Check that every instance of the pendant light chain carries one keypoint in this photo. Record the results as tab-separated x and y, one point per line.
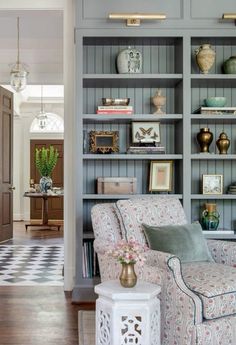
18	71
18	40
42	99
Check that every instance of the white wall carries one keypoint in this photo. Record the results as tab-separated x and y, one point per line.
21	153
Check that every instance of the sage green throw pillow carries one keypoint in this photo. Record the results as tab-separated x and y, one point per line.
185	241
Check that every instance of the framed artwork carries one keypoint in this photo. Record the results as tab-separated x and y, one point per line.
104	141
161	176
212	184
146	132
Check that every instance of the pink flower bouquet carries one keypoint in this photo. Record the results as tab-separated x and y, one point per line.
128	252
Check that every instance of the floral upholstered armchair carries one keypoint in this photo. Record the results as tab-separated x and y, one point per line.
198	300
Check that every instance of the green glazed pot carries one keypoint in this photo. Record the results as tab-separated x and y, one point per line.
229	66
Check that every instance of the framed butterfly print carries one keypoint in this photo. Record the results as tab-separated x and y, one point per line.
146	132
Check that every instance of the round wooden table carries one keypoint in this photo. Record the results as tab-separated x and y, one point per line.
44	197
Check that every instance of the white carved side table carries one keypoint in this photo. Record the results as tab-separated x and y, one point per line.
127	316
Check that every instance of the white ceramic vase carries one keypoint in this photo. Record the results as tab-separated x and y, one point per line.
205	58
129	61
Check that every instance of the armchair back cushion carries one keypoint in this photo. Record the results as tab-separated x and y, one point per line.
185	241
151	210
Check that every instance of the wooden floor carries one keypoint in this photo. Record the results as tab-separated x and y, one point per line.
38	315
35	235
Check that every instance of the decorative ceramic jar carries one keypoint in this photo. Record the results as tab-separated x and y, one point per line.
229	66
223	143
45	184
205	57
210	217
204	138
128	277
129	61
159	100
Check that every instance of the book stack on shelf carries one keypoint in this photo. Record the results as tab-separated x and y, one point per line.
90	261
115	109
146	149
216	110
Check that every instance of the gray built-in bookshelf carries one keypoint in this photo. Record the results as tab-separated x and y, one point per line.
169	64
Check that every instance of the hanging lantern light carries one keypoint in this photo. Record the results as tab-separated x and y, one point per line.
18	71
42	115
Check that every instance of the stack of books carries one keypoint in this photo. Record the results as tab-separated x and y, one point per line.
146	150
232	189
90	261
115	109
216	110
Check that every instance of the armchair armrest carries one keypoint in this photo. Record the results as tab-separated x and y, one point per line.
223	252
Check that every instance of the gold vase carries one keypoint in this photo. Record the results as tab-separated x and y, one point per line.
223	143
128	277
204	138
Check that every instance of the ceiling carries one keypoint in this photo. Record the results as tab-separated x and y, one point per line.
41	45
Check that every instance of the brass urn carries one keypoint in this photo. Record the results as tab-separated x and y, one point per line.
128	276
223	143
204	138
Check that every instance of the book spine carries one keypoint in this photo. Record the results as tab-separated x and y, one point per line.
105	112
115	107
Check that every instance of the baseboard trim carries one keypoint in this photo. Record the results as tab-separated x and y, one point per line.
17	217
83	295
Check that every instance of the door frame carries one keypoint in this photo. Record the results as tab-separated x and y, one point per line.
68	8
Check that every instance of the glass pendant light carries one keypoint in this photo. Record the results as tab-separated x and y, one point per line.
18	70
42	115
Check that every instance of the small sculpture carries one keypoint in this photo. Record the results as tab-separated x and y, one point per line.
223	143
159	101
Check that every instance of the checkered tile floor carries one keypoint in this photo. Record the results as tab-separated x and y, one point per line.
31	265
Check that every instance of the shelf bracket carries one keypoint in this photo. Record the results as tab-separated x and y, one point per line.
134	19
229	16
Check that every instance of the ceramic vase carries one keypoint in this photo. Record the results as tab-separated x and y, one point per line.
204	138
229	66
45	184
128	276
223	143
210	217
205	57
129	61
159	101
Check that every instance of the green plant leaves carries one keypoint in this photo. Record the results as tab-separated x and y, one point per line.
46	160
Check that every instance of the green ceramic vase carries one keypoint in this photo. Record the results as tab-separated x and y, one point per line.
229	66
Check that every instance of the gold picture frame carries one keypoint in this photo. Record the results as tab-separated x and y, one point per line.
212	184
161	176
103	141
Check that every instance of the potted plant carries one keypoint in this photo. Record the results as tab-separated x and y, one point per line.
45	161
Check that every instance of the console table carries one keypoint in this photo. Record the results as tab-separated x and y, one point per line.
44	196
127	315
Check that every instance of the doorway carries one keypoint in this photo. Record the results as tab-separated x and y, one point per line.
68	9
55	205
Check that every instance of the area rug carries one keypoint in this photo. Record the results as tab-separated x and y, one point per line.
31	265
86	327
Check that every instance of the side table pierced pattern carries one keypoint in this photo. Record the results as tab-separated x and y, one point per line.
127	316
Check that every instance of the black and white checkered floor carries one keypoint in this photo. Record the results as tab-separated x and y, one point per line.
31	265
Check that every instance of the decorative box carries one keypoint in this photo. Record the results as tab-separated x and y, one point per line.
116	185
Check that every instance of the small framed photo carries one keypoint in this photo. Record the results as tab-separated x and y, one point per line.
161	176
104	141
212	184
146	132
